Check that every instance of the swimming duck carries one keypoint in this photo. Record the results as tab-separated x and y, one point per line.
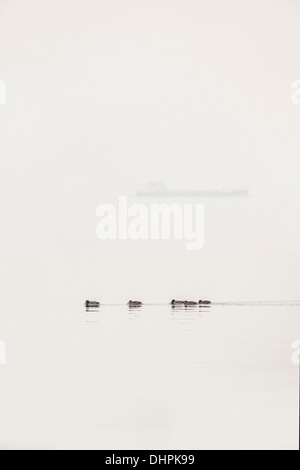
177	302
92	304
134	303
204	302
190	302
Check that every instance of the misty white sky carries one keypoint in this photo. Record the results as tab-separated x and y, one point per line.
105	95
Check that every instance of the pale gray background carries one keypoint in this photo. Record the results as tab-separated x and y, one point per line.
103	96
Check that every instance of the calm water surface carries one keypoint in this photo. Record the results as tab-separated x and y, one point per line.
218	377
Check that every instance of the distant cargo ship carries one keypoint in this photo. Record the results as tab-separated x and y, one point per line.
160	190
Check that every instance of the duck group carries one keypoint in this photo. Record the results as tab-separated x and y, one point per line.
137	303
190	302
